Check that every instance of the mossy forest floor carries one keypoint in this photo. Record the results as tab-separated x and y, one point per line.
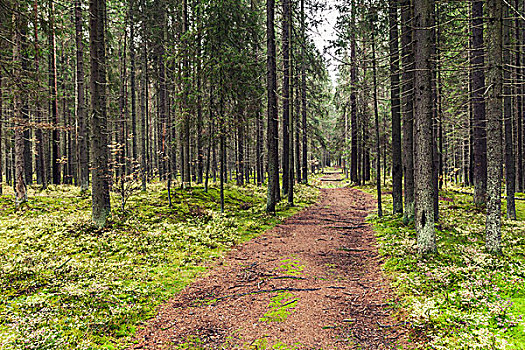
64	284
463	298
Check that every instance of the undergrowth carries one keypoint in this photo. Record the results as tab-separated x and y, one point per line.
463	298
64	284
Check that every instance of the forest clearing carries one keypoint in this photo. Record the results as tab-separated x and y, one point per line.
261	174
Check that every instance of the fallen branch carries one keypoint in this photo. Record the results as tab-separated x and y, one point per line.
287	277
349	227
353	249
404	323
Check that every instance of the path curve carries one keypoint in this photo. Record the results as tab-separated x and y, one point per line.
314	281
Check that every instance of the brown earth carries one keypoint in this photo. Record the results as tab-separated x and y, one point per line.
320	268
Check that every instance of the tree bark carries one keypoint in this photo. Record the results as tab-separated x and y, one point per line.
354	176
39	141
19	111
407	93
494	44
81	110
1	126
424	190
304	131
186	117
510	167
101	208
376	117
53	86
478	105
395	107
519	89
286	19
272	134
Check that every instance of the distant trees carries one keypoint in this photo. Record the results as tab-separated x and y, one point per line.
179	91
454	81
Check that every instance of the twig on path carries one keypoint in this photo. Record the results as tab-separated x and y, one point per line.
404	323
287	277
349	227
362	285
335	287
353	249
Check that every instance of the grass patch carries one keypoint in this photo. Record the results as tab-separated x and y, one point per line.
280	307
463	298
64	284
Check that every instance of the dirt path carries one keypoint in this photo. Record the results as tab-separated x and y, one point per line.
313	282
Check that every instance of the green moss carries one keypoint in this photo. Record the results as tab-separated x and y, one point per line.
280	307
65	284
462	298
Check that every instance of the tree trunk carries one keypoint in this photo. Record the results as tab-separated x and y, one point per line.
1	139
186	117
424	190
100	175
19	110
272	134
144	113
478	105
286	19
81	110
376	116
519	89
494	76
354	174
304	131
407	93
39	142
395	106
510	167
55	141
133	84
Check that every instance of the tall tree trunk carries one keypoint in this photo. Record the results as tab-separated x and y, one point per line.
222	156
19	110
100	175
133	83
81	110
286	92
494	44
395	107
519	90
53	86
376	116
291	178
354	176
407	93
297	127
144	112
272	134
510	166
186	117
1	126
304	131
434	93
200	150
424	190
478	104
39	141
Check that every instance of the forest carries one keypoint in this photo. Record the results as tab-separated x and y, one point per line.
249	174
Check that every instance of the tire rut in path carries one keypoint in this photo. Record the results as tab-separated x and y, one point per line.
323	264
